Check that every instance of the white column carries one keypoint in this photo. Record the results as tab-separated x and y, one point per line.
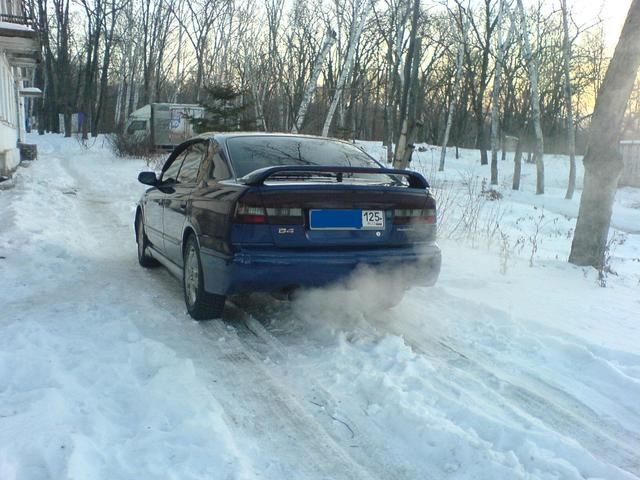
19	105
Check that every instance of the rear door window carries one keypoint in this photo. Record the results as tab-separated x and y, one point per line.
191	164
218	168
170	175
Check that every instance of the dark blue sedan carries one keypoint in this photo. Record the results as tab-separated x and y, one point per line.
246	212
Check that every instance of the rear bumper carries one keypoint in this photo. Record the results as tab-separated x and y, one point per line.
263	270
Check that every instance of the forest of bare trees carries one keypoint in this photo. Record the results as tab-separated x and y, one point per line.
466	72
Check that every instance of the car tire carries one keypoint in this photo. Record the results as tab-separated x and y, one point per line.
143	243
201	305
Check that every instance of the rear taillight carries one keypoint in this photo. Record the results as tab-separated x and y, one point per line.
271	215
250	214
285	216
405	216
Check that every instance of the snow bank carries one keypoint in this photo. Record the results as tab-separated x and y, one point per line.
83	393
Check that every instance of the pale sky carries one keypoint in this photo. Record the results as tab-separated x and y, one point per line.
612	12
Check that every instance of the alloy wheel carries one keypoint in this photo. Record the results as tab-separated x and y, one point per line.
191	275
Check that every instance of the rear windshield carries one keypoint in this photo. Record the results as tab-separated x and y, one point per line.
251	153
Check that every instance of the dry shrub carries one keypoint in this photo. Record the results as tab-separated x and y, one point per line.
133	146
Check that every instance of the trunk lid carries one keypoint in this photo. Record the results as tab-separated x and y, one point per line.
337	207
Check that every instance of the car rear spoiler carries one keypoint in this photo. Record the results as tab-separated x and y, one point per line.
258	177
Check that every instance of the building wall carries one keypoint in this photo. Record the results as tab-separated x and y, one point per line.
9	154
630	150
10	7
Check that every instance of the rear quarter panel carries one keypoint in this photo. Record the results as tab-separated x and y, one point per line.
212	210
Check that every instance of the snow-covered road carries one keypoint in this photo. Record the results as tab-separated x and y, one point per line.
532	374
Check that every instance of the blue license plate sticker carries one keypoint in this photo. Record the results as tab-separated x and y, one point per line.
353	219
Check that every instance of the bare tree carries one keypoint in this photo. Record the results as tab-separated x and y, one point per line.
480	74
58	84
603	162
329	40
568	99
275	51
391	26
408	115
535	98
360	11
495	95
456	86
201	16
95	11
108	27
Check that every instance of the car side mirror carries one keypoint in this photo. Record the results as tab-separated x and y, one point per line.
148	178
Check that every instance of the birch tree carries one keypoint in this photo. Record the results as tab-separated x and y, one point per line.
329	40
393	32
358	20
456	89
568	99
401	154
535	98
495	94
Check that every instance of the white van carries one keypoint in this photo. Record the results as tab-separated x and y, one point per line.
167	124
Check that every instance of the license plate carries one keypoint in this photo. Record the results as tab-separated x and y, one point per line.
373	219
354	219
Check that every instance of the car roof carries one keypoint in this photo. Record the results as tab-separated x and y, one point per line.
226	135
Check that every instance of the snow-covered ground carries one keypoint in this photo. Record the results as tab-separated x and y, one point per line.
516	365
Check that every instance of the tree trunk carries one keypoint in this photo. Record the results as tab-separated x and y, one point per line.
517	164
130	97
117	116
258	102
106	62
412	116
603	162
571	135
329	40
357	25
535	100
454	98
478	103
178	85
63	84
402	141
495	95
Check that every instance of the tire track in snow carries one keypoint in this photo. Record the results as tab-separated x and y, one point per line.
304	439
526	394
522	395
257	404
344	430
